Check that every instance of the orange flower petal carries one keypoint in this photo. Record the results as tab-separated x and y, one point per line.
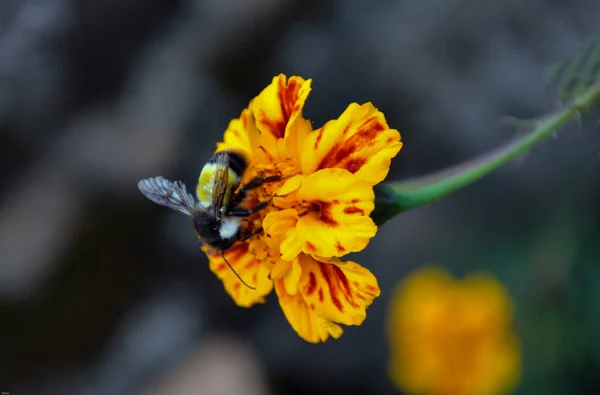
342	224
492	307
452	336
340	292
359	141
236	135
303	320
251	270
421	295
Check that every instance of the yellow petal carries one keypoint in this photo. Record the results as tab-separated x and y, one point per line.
236	135
508	366
359	141
252	131
290	246
292	278
452	336
279	103
340	292
276	111
418	308
280	229
420	298
262	251
290	185
286	197
296	134
281	269
262	146
303	320
252	271
492	307
342	223
277	223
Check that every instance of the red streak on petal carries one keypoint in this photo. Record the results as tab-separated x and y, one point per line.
267	153
371	289
340	247
354	201
321	298
335	156
312	306
221	267
275	126
318	140
333	290
236	286
345	286
311	247
346	130
353	210
354	164
288	95
236	252
244	118
312	284
365	136
326	214
255	277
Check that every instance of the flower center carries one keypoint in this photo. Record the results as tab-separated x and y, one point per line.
258	244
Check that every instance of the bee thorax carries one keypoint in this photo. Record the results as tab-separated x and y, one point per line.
229	227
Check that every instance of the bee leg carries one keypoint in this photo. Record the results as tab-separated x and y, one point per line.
245	212
246	236
257	182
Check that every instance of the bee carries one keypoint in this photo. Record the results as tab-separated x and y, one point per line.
217	214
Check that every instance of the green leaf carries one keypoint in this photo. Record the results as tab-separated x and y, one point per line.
571	77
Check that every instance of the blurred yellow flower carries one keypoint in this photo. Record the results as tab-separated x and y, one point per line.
452	337
319	212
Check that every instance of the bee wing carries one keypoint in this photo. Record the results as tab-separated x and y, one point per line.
220	184
168	193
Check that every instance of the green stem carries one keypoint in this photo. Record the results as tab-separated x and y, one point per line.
399	196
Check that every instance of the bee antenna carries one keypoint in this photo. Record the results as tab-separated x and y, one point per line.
234	272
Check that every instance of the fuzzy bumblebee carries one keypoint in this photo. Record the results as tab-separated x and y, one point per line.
218	211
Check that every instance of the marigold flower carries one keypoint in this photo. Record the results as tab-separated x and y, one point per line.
452	337
319	212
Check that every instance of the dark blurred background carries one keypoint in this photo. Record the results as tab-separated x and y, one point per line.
103	292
